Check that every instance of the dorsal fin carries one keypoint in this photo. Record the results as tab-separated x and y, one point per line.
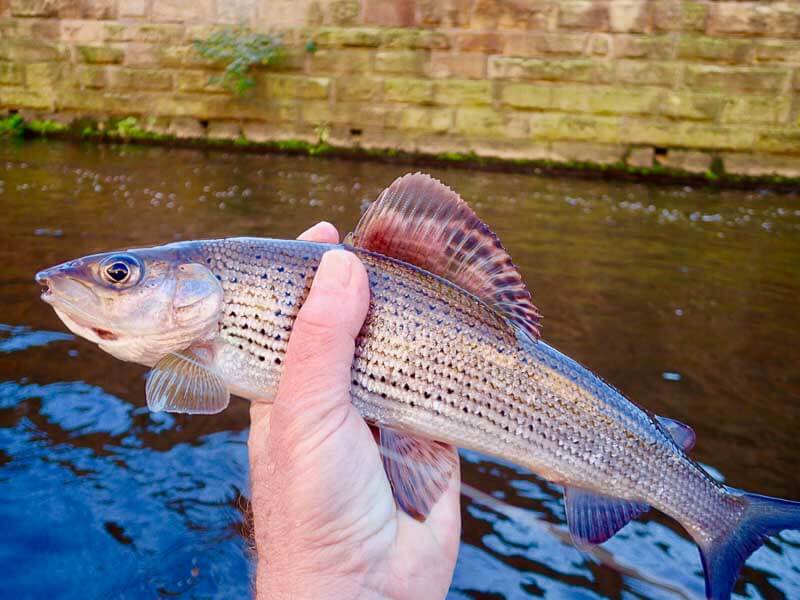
421	221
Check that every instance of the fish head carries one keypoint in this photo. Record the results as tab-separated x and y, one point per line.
137	305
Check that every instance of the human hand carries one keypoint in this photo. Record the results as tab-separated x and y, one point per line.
325	521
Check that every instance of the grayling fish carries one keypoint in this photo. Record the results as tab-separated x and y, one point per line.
450	352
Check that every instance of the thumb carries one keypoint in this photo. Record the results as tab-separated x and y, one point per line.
316	377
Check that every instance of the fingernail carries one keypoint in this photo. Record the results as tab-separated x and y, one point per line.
334	270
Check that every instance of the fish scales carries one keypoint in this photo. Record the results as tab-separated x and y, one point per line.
434	361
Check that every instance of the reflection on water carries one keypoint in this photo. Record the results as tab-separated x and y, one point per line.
103	499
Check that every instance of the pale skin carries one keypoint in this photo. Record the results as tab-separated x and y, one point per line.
326	524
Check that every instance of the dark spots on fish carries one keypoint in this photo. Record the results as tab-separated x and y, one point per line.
234	280
278	312
278	360
406	387
208	261
219	278
105	334
232	314
263	276
245	326
241	347
427	395
258	257
281	269
118	533
262	358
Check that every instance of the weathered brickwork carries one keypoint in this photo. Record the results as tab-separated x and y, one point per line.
686	84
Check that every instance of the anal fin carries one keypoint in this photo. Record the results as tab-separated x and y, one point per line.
183	382
593	518
419	470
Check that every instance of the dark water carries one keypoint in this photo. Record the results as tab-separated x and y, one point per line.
685	299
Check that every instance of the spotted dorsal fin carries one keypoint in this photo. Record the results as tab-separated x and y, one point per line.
421	221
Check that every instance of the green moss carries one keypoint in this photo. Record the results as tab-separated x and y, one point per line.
12	126
44	127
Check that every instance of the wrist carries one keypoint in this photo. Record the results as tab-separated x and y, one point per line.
274	583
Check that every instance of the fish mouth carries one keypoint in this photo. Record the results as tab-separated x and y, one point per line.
66	294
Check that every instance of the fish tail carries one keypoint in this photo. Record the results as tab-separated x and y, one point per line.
724	555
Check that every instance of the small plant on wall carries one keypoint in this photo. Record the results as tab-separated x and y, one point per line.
240	49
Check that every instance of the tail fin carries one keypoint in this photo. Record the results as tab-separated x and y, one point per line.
724	556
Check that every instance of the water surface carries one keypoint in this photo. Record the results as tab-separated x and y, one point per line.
685	299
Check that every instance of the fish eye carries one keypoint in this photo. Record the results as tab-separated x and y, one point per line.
120	270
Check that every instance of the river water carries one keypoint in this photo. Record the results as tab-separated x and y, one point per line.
685	299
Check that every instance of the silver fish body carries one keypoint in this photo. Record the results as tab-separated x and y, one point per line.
434	361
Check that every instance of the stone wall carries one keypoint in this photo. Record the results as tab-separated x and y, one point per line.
688	84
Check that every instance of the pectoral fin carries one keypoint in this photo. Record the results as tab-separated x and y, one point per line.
419	470
594	518
183	382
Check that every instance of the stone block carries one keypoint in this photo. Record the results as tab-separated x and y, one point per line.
778	19
389	14
583	14
98	9
316	112
333	37
345	12
600	44
100	54
180	11
420	118
640	157
151	33
35	8
224	130
583	70
542	43
22	50
341	61
589	128
628	16
139	79
487	42
706	48
470	65
464	92
781	140
91	77
132	8
655	47
358	115
10	73
634	72
441	13
258	131
772	110
42	76
527	95
358	89
42	30
409	62
599	154
412	91
199	81
761	164
83	31
777	51
531	15
691	105
764	79
15	97
606	100
295	86
482	122
691	161
187	128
